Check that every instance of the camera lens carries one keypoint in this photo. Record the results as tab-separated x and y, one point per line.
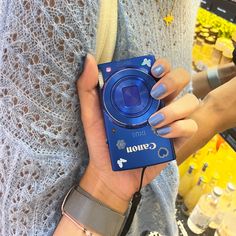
127	99
130	96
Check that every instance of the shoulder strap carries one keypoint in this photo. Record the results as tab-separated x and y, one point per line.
106	31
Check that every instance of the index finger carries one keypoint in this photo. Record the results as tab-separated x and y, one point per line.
160	68
171	84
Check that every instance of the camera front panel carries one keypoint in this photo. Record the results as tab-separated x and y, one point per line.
127	104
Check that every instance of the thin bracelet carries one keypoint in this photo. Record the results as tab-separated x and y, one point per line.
85	231
213	77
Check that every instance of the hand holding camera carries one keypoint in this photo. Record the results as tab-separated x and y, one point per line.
116	188
127	105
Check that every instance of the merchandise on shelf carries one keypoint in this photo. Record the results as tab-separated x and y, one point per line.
224	206
215	162
228	225
204	211
194	194
186	182
213	42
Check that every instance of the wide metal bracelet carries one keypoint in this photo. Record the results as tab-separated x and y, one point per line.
90	215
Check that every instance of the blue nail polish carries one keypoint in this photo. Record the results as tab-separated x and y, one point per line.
158	70
158	91
164	130
156	119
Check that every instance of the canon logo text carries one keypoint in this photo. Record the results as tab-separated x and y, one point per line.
141	147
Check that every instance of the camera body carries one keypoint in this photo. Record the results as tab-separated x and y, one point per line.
126	105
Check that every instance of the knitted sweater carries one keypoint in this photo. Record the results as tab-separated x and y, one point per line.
42	147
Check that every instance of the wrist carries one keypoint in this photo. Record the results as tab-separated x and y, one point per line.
227	72
200	84
94	185
212	105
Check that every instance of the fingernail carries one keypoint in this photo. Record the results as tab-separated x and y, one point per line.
156	119
81	66
83	60
158	91
158	70
164	130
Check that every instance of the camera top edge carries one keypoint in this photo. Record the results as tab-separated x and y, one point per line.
144	63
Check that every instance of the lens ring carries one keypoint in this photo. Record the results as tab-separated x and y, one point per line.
120	118
130	96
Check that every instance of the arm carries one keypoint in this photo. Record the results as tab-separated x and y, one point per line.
115	189
92	184
42	46
215	114
200	82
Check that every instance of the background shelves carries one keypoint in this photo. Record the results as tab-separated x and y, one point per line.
223	8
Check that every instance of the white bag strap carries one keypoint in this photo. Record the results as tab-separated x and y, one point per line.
106	31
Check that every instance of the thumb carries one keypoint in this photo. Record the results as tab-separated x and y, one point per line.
87	91
89	78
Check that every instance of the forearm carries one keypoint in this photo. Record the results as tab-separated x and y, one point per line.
200	82
93	185
227	72
215	114
206	130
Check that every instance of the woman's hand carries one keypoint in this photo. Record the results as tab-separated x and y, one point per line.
116	188
221	103
215	114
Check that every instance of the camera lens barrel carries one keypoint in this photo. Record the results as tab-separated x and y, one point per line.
127	99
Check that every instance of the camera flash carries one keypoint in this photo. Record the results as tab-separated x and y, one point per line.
108	69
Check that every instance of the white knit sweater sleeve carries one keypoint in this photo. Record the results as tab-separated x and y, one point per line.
42	147
42	44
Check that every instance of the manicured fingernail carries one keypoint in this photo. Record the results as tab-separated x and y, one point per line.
164	130
158	70
156	119
158	91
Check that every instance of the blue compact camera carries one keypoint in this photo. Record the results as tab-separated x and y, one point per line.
127	104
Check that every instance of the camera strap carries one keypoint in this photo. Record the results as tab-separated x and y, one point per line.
134	205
